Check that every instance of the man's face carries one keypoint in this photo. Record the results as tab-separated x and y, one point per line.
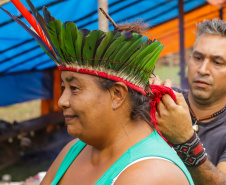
207	68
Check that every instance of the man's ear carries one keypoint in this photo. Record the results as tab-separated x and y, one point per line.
118	94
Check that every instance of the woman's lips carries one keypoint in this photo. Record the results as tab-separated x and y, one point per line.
69	117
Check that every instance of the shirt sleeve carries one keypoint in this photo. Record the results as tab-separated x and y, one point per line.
223	156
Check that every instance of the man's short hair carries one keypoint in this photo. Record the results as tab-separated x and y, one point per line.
212	27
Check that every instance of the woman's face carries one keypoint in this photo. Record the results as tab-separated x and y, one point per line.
86	107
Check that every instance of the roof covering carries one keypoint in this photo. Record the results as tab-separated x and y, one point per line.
19	52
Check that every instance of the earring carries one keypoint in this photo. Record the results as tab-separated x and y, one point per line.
113	105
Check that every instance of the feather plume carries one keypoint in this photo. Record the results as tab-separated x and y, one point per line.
35	36
42	24
90	45
27	15
127	55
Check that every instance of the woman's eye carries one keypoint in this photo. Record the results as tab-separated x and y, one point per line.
73	88
62	88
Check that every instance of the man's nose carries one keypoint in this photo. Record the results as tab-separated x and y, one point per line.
204	67
64	102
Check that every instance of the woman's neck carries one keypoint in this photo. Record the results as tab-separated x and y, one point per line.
129	134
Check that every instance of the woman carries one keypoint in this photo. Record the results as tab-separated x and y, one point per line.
106	104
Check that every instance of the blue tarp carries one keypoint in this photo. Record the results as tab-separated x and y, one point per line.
20	53
25	87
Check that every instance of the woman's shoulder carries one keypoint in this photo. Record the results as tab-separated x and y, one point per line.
55	165
64	151
68	146
152	171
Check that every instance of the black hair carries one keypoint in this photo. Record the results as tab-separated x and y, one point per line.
140	104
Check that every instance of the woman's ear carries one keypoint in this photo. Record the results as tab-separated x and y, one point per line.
118	94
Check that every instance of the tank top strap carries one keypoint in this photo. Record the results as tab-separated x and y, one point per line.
151	146
68	159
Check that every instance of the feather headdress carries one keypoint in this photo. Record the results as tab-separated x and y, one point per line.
120	56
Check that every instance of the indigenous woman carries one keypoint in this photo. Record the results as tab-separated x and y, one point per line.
106	101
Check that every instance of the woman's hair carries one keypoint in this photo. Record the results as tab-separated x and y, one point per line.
140	104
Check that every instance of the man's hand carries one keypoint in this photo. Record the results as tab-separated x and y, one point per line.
157	81
174	121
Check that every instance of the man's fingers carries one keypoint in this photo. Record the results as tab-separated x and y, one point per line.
180	100
160	108
168	101
155	80
167	83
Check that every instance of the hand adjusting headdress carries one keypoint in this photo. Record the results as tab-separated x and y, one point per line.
128	57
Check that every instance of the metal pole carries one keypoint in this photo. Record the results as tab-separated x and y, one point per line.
170	59
102	20
182	57
221	12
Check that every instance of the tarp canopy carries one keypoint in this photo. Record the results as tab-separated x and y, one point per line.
20	53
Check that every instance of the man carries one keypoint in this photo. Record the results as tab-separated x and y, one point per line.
206	100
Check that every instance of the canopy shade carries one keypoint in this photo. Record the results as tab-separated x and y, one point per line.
21	56
19	52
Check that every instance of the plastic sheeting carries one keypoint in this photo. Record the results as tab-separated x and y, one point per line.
28	86
19	53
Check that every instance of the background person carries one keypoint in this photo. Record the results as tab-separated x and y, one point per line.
206	100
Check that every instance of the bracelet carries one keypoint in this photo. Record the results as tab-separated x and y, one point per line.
191	152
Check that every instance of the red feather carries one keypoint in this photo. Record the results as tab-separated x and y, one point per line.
28	16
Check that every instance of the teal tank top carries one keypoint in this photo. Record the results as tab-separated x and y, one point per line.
151	146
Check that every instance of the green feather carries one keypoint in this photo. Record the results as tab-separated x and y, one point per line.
144	53
129	68
62	37
139	50
79	44
123	49
149	67
130	51
148	64
63	42
103	45
54	29
115	44
70	39
90	45
111	63
140	59
149	56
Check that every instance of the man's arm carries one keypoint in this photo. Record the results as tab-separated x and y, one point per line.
175	124
222	166
207	173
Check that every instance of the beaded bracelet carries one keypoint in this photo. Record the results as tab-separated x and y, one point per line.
191	152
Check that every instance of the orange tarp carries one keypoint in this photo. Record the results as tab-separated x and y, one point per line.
168	33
